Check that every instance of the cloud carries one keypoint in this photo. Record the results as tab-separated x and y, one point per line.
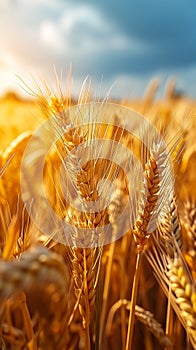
168	27
152	19
136	37
129	40
84	36
81	31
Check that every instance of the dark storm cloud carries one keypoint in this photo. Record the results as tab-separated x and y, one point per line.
164	30
126	61
152	19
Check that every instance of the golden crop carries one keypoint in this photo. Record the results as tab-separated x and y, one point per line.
138	292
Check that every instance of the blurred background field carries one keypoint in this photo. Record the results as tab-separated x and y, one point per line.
19	114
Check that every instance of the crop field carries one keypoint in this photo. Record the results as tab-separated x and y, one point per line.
97	222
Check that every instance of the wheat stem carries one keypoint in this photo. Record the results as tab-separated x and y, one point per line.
87	306
133	301
106	292
169	318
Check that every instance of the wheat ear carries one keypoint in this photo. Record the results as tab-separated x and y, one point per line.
154	169
169	232
173	275
189	228
144	316
185	295
42	275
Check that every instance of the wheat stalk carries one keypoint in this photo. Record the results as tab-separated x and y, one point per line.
155	173
83	260
86	178
115	208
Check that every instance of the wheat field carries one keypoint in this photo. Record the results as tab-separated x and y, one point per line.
68	289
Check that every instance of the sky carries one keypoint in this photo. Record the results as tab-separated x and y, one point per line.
120	44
